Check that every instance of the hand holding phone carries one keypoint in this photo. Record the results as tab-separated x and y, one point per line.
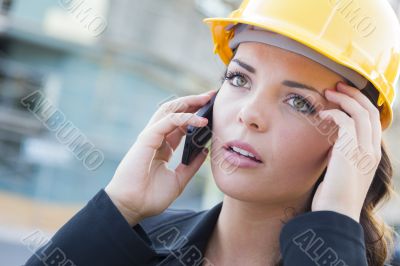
143	185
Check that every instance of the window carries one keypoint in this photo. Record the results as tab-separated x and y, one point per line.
5	5
16	122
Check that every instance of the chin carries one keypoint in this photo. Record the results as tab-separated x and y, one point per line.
244	185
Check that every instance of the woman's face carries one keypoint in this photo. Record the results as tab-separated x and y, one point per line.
255	104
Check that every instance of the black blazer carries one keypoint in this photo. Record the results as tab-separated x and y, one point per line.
99	235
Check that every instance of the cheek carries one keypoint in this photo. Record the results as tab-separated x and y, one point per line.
300	160
224	113
310	128
304	148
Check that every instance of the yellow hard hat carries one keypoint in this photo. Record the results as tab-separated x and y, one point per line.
363	36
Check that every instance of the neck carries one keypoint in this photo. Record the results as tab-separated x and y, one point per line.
247	233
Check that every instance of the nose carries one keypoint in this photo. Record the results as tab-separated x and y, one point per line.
253	114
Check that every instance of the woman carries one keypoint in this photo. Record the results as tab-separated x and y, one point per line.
299	115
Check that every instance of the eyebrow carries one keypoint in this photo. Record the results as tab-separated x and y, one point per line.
295	84
288	83
245	66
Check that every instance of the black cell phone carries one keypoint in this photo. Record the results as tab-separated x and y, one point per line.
197	137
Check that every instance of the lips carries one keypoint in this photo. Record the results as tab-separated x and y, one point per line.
244	146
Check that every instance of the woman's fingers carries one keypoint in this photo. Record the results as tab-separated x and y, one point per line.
170	144
185	172
154	135
186	104
347	132
372	110
358	114
175	137
151	139
165	152
166	128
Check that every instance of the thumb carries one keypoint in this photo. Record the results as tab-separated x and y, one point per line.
185	172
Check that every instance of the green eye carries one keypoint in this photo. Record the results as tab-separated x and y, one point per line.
236	79
239	81
301	104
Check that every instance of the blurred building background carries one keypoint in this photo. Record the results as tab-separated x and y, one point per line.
106	65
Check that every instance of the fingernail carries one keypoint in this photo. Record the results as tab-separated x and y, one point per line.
341	85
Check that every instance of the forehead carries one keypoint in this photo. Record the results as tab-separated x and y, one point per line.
265	57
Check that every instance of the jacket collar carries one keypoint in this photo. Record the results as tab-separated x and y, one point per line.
188	232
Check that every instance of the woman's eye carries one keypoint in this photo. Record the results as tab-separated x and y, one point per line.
236	79
239	81
301	104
